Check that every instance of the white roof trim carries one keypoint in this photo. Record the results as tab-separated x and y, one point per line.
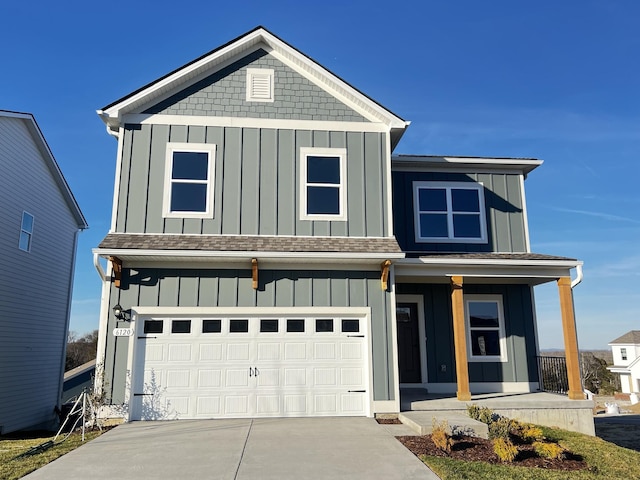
488	261
258	38
524	165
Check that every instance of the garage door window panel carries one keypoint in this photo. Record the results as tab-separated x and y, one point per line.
269	326
153	326
181	326
211	326
324	325
350	326
295	325
238	326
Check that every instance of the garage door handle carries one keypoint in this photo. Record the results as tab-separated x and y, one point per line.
356	391
357	336
141	394
250	371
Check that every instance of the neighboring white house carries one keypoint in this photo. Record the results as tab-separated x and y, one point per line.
626	360
39	223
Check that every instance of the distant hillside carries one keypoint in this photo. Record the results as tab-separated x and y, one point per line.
605	355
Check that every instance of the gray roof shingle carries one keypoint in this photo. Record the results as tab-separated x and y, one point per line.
632	337
248	243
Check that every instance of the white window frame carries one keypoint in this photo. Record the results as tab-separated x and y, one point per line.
623	354
26	232
260	75
497	299
341	153
448	186
208	148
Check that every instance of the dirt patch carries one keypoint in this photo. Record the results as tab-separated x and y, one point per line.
481	450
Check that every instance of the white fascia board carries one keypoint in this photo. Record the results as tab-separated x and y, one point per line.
488	262
247	122
524	165
227	255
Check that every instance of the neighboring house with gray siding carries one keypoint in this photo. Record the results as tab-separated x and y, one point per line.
39	223
268	256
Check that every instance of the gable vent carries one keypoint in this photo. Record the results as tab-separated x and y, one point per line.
259	85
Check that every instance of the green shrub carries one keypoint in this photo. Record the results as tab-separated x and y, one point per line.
440	437
501	428
482	414
549	450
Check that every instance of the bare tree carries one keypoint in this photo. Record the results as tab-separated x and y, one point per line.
80	349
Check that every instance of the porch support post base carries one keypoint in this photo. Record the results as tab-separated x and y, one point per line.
460	339
570	339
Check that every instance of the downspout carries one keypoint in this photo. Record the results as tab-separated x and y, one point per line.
579	276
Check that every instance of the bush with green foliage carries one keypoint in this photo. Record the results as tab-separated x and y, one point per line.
530	433
481	414
501	428
505	450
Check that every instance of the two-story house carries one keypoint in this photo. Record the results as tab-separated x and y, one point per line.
268	256
626	360
39	224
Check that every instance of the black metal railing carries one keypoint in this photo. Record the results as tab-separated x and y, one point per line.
552	373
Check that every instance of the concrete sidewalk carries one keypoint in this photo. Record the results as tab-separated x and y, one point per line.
309	448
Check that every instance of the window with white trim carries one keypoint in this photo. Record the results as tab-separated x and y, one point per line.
260	85
26	232
323	180
623	353
485	328
451	212
189	180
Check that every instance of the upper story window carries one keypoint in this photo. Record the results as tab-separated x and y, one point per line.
623	353
485	328
259	85
449	212
323	180
26	232
189	180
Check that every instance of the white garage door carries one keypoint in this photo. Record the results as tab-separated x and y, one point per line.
217	367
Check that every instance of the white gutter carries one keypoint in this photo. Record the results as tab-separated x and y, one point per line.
579	276
98	266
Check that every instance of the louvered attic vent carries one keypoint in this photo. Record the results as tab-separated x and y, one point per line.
259	85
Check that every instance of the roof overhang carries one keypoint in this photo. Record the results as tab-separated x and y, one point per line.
467	164
225	55
484	270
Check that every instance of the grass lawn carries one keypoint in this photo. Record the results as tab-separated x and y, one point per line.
605	460
14	445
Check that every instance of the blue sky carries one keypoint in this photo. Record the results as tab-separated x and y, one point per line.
552	80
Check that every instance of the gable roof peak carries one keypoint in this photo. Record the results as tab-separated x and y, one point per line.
185	76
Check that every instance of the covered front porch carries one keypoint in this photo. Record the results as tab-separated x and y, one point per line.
466	323
542	408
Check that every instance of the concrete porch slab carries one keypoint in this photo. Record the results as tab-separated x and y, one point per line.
541	408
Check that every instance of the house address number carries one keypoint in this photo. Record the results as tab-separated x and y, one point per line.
122	332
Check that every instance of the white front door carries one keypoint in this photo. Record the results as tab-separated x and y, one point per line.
217	367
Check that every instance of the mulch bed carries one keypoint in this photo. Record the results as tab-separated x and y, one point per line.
481	450
388	421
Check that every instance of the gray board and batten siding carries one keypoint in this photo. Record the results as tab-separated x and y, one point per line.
34	296
257	184
233	288
503	206
223	94
519	331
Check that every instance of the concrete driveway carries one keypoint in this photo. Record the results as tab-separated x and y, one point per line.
309	448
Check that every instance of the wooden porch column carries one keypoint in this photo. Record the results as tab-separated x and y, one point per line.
460	339
570	338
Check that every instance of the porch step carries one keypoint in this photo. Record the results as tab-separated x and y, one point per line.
422	422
